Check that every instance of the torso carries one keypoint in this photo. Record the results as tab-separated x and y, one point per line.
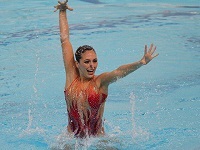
85	106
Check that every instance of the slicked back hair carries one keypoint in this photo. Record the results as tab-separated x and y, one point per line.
81	50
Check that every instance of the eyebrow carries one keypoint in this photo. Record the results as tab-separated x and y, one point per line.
90	59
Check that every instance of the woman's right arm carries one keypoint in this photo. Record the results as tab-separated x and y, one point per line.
67	50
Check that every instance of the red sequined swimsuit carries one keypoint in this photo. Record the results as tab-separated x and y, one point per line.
85	109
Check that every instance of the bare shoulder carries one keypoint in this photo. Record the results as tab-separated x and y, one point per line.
100	78
100	82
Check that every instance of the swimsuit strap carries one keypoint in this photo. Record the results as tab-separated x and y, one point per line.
71	84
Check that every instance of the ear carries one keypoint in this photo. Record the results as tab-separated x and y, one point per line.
77	64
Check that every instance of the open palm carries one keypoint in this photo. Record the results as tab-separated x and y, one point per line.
148	54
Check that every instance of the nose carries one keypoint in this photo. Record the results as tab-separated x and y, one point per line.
91	64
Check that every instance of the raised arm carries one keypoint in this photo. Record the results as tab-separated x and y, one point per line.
124	70
67	50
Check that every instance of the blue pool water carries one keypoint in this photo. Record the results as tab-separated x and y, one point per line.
155	108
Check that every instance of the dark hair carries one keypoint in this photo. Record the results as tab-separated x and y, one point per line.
81	50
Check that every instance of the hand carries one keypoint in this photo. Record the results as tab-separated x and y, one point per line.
62	6
148	55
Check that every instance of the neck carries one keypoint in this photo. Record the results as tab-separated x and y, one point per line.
85	80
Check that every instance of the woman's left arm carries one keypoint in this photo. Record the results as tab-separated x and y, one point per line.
110	77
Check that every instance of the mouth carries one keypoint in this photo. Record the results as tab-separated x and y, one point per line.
90	71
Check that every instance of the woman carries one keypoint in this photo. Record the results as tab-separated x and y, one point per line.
85	92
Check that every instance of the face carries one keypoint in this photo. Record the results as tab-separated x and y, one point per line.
88	64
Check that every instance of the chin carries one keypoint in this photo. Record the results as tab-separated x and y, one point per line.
90	76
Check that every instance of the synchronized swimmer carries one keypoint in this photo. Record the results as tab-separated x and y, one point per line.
85	92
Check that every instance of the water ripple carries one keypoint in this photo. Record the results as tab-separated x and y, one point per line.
164	87
158	19
92	1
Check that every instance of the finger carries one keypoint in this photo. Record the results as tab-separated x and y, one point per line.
151	46
145	49
65	2
155	55
71	9
153	50
56	8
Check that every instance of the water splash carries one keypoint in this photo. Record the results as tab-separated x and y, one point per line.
29	130
35	75
138	133
67	141
113	129
32	127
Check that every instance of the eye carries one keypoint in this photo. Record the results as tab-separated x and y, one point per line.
86	62
95	60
